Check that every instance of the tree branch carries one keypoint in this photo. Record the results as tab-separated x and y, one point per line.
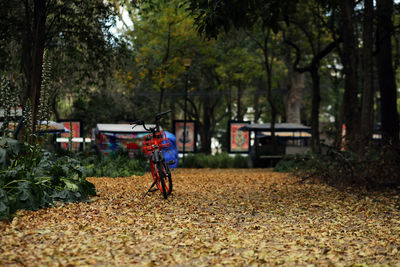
316	58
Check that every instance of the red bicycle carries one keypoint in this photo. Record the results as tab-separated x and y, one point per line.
153	144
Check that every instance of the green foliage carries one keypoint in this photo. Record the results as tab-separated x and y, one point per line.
215	16
297	163
223	160
117	165
40	179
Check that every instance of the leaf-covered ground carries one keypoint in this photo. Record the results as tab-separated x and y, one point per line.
227	217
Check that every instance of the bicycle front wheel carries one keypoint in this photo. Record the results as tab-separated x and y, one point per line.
162	178
167	177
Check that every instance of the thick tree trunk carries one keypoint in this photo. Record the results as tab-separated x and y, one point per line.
387	83
313	68
367	105
349	60
295	96
33	50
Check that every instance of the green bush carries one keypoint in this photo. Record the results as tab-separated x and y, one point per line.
223	160
291	163
34	179
116	165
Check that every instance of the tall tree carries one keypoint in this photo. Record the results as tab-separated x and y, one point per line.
33	50
367	109
47	24
320	46
386	78
349	61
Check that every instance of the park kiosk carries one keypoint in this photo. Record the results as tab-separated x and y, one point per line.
112	137
291	138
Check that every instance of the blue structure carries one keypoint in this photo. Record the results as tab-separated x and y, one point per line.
171	153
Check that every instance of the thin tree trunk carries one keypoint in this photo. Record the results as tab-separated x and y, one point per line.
272	106
206	130
161	99
268	69
230	102
239	116
367	108
165	68
256	106
316	100
387	83
337	111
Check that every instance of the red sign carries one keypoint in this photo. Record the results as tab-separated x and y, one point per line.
74	128
239	140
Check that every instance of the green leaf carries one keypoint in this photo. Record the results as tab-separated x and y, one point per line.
4	205
67	195
71	185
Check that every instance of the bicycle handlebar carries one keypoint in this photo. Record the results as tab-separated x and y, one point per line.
157	118
138	122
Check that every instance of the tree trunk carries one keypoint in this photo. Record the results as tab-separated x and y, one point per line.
316	100
239	115
229	100
33	50
386	78
337	111
367	105
256	106
349	60
165	69
268	69
161	99
272	106
207	127
295	96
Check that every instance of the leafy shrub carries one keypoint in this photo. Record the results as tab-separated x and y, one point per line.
40	179
373	167
291	163
223	160
117	165
120	166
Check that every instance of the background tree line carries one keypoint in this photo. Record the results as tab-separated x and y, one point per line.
320	61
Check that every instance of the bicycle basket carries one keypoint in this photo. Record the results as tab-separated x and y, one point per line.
150	142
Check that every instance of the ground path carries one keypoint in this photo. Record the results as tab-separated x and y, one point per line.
228	217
